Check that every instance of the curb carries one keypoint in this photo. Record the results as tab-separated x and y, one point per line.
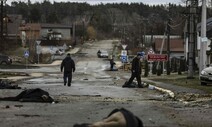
169	92
160	89
20	78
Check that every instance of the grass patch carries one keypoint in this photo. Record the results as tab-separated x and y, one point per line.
182	80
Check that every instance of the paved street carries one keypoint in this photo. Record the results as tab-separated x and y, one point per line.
94	93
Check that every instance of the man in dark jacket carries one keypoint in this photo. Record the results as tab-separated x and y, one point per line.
69	67
135	71
112	63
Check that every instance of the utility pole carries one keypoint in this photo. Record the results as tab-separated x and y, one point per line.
2	2
203	42
168	48
74	32
193	4
168	44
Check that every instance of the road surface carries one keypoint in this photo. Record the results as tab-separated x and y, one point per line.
94	93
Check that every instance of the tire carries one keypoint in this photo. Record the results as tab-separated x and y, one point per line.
8	63
3	62
203	84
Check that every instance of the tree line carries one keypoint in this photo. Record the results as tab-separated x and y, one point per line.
117	19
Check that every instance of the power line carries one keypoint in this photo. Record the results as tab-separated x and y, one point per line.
174	26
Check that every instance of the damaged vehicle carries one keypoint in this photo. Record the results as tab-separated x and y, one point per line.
103	54
206	76
4	59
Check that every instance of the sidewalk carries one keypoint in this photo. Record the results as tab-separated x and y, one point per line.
32	75
58	62
170	88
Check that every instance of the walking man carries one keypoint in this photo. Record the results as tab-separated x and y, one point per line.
69	67
135	71
112	63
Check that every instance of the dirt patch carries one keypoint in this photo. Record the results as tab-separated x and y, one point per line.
94	98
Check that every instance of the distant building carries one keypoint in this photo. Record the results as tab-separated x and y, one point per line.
47	33
55	31
176	47
12	24
209	36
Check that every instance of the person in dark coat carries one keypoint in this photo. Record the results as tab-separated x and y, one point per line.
135	71
69	67
112	63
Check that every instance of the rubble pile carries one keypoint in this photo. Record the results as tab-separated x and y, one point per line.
31	95
5	84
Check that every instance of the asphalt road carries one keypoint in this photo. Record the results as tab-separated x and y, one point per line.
94	93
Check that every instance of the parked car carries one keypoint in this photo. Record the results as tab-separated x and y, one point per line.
206	76
102	54
4	59
59	52
98	53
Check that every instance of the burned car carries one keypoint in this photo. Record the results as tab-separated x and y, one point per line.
4	59
102	54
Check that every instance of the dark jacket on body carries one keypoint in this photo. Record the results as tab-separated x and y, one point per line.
68	65
136	66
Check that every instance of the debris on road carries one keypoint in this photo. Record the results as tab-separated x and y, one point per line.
118	117
5	84
31	95
134	85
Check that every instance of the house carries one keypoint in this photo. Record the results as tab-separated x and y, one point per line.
12	25
209	36
55	31
49	34
32	31
29	32
149	39
176	47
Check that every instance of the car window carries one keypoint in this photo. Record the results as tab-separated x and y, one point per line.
104	51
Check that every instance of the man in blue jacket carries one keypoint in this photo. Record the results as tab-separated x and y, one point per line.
69	67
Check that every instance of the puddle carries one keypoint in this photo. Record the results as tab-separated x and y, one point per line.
26	115
104	77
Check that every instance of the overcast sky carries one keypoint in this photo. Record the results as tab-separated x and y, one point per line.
150	2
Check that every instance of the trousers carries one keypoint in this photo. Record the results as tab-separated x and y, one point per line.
137	76
67	75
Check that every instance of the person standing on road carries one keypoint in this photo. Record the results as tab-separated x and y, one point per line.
112	63
135	71
69	67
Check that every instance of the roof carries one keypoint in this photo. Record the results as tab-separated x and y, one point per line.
38	26
48	25
176	45
31	26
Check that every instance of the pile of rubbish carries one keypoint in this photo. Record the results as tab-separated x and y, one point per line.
132	85
28	95
5	84
31	95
